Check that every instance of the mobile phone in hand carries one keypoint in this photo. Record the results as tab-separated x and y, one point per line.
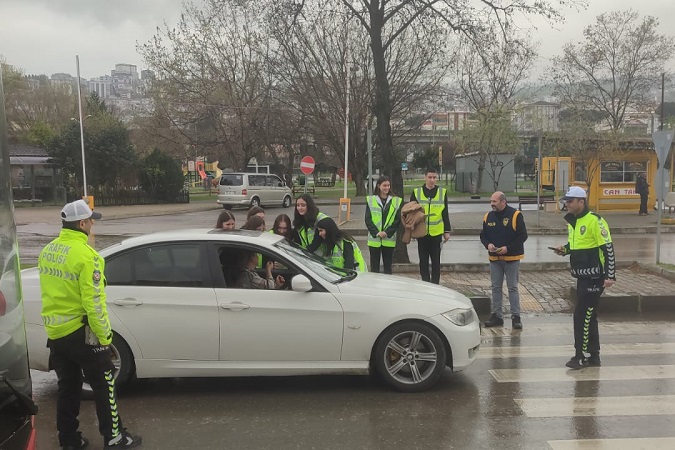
555	249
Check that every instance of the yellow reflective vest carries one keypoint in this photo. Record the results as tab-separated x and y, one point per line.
590	247
337	258
72	282
306	234
382	223
433	209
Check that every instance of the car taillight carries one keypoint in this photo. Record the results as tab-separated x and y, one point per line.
3	304
244	191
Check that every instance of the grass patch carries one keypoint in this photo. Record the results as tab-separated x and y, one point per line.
27	266
670	267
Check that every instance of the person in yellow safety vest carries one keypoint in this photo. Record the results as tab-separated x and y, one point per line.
383	217
338	248
79	335
593	264
304	223
434	199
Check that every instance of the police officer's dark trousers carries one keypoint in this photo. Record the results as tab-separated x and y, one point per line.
70	357
429	247
586	337
644	196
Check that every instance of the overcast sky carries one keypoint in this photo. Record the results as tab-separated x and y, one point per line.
43	36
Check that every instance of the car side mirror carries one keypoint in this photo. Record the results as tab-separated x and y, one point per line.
280	184
300	283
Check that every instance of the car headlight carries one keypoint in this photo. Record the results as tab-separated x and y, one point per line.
459	316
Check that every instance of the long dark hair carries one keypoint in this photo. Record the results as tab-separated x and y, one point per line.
224	217
285	219
253	211
253	223
381	180
310	216
333	234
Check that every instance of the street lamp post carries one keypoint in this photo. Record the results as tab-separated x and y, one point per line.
79	104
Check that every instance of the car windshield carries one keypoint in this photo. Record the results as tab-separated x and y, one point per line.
318	265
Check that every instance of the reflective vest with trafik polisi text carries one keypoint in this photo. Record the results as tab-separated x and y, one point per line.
307	234
337	258
72	285
433	209
376	210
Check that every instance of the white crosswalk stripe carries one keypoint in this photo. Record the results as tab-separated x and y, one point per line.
633	354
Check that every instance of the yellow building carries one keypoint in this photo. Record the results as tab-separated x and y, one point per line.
612	179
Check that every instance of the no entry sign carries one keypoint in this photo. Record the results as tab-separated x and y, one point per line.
307	165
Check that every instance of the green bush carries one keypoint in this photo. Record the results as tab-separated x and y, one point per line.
161	176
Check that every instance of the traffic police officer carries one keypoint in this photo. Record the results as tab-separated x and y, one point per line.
79	335
593	264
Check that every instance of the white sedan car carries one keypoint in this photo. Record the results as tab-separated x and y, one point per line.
176	311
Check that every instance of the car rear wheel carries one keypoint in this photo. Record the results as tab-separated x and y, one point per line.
410	357
123	361
287	201
255	201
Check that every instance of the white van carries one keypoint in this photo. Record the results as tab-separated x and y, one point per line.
253	189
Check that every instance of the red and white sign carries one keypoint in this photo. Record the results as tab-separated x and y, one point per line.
307	165
618	191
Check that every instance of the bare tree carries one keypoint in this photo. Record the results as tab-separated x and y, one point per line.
312	69
614	66
386	20
213	84
490	72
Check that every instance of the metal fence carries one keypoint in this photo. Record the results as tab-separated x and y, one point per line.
125	197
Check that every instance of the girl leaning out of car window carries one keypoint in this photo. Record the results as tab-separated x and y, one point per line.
338	248
304	223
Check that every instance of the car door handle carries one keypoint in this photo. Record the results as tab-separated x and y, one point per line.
127	302
236	306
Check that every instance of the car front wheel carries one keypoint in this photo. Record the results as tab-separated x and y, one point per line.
410	357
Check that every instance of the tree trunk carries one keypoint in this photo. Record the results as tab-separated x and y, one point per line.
382	112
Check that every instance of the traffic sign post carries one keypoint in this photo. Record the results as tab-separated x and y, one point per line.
662	141
306	167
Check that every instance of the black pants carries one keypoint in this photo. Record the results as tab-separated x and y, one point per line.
643	202
387	258
429	247
586	336
70	357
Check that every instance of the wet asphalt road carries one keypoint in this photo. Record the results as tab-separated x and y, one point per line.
518	395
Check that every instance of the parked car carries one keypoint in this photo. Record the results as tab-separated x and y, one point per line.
253	189
176	311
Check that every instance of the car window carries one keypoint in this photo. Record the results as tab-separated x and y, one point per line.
232	179
273	180
256	180
231	259
119	270
177	265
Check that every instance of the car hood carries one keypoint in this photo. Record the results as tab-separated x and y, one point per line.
392	286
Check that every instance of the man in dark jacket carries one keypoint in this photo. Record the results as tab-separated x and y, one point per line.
642	188
503	236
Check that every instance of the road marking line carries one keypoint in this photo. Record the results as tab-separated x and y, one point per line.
487	352
665	443
607	373
649	405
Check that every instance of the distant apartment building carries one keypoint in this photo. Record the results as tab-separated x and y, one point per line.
102	86
125	81
537	116
67	80
447	120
